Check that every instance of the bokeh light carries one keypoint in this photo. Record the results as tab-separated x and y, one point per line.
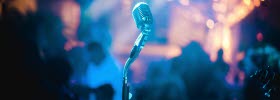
23	6
210	23
259	37
184	2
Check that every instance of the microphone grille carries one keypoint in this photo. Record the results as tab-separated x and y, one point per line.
142	16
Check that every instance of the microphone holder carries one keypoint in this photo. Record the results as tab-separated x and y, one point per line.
139	44
133	55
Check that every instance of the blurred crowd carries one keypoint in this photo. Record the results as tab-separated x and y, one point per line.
192	76
56	56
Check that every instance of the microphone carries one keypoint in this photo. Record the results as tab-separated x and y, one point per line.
143	18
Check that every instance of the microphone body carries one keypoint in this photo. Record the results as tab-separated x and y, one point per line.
143	18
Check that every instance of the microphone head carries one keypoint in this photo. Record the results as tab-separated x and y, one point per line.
142	16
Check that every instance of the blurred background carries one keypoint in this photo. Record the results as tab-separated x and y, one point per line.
198	49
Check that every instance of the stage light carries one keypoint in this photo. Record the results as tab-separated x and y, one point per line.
257	3
247	2
184	2
210	23
259	36
23	6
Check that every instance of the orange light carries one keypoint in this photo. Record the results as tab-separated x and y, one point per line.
1	1
70	44
227	45
247	2
0	9
240	56
70	15
257	3
173	51
23	6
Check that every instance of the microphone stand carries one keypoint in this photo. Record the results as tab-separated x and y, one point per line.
125	87
139	44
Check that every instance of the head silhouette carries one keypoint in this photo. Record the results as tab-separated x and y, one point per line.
220	54
97	53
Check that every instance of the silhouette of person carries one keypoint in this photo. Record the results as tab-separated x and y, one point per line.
195	67
218	85
102	78
160	84
221	67
28	71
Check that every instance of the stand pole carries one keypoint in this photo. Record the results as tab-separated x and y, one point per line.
125	90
